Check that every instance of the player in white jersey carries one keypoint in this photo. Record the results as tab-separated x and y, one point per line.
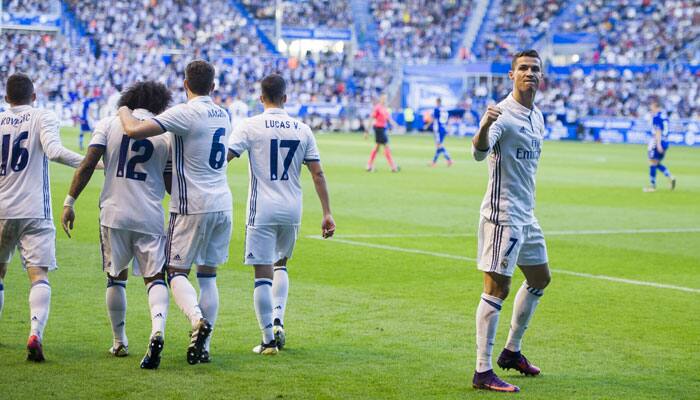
137	175
511	135
29	138
277	147
200	205
239	111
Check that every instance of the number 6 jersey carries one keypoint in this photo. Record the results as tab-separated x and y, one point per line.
277	146
28	140
200	131
133	191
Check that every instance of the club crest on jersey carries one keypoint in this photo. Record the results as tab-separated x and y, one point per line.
523	130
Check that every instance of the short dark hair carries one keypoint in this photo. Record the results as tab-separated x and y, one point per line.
273	88
19	89
525	53
200	77
150	95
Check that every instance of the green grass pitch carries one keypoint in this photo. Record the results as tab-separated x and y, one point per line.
386	309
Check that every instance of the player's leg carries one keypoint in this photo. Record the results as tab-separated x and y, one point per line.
217	237
663	169
260	244
39	305
8	243
149	258
532	259
158	300
436	156
37	246
372	157
208	301
653	165
262	300
116	254
493	259
184	240
280	292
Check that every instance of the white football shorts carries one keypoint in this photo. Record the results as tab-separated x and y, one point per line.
267	244
202	239
502	247
35	238
121	246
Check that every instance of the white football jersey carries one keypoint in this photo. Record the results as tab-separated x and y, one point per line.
200	130
133	191
515	145
28	139
277	146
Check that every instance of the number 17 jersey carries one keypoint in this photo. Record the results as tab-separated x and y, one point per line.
277	147
133	191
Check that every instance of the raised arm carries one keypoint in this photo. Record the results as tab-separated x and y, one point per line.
482	141
327	225
136	128
80	179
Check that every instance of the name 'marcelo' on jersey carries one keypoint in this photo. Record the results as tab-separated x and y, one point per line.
133	191
277	147
515	145
29	138
200	130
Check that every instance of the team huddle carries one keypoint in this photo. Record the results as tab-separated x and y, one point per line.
147	150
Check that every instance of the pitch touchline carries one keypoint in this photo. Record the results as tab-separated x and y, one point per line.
547	233
462	258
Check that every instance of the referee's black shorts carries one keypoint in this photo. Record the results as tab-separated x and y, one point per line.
380	135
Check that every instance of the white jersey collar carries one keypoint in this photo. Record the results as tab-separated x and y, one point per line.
200	98
19	109
517	107
275	111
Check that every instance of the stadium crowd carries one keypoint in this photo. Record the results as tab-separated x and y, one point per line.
634	32
419	30
516	25
306	13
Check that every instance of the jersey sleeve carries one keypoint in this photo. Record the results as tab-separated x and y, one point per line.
238	142
495	132
311	154
99	134
51	142
177	119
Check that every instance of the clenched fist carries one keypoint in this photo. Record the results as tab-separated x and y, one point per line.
490	116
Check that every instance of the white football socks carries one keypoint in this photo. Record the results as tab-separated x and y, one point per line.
116	309
486	323
208	300
526	301
186	297
39	304
280	291
262	299
158	302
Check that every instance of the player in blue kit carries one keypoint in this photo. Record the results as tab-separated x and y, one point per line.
440	117
658	146
86	118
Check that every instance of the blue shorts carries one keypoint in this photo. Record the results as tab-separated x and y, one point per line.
654	153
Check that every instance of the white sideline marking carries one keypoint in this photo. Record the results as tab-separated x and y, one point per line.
462	258
547	233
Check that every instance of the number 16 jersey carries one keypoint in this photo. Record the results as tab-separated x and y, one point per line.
133	191
277	147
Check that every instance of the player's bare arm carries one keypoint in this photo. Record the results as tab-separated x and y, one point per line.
136	128
328	224
481	139
80	179
657	136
